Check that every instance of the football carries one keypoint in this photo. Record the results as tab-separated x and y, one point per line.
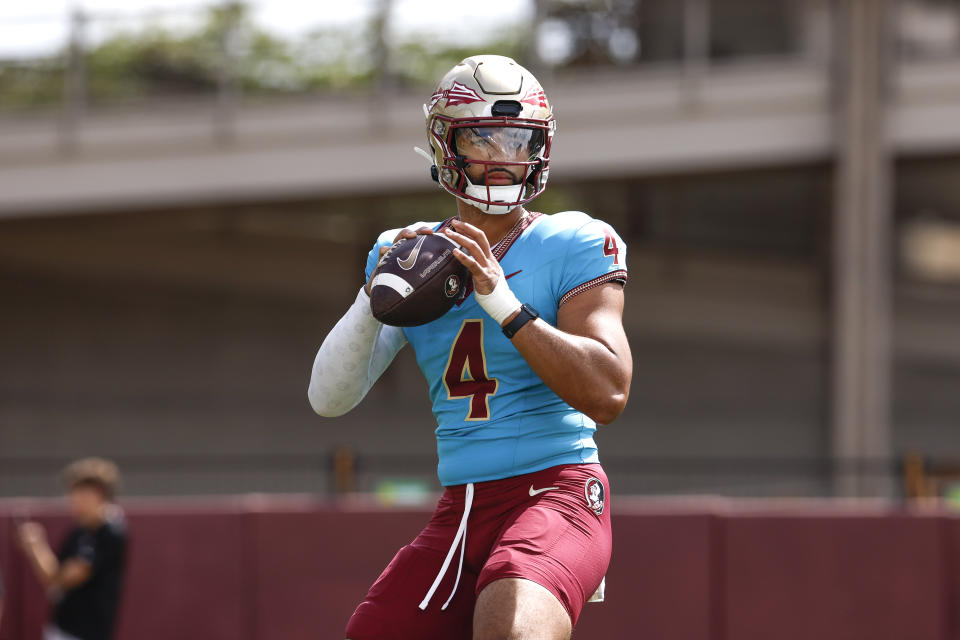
416	281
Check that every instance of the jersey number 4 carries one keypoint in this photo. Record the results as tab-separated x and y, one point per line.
466	372
610	247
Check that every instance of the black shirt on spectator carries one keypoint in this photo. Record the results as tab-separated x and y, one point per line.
89	610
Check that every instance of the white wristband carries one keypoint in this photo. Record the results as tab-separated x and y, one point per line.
499	303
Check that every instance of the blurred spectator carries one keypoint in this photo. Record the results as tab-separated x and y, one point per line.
84	579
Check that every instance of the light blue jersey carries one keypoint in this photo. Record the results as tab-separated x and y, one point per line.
495	417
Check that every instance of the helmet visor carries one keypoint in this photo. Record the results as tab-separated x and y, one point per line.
508	144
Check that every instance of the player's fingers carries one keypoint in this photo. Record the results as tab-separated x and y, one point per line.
383	250
468	262
469	243
411	233
474	233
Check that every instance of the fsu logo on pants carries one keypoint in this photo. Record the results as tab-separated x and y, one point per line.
594	493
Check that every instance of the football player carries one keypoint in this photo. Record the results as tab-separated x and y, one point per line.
521	371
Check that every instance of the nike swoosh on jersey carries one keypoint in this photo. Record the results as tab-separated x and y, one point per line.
407	263
512	274
534	492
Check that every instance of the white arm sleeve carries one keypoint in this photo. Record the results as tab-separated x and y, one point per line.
352	357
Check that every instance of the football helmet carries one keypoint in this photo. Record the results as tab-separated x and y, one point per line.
489	127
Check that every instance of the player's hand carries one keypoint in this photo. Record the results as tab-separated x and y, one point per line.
32	534
484	268
404	233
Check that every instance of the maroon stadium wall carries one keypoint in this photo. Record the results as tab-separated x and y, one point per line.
243	570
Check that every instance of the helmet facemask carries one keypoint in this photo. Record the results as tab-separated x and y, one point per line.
495	164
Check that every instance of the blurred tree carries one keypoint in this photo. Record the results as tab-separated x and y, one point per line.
25	85
157	61
418	61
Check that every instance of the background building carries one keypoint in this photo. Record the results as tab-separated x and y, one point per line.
186	202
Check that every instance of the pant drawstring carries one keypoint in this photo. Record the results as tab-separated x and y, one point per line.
460	540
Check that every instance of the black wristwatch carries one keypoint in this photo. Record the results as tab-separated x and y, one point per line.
527	313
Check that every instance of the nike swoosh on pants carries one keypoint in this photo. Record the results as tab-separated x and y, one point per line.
534	492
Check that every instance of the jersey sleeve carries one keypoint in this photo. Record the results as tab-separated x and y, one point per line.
596	255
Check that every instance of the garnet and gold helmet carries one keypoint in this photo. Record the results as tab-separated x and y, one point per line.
494	105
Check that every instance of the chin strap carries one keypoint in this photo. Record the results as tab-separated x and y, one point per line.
507	193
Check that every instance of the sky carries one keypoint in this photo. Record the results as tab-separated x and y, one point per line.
39	27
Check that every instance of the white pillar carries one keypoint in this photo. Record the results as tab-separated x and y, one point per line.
861	249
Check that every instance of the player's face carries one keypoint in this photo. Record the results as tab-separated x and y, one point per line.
86	504
494	145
